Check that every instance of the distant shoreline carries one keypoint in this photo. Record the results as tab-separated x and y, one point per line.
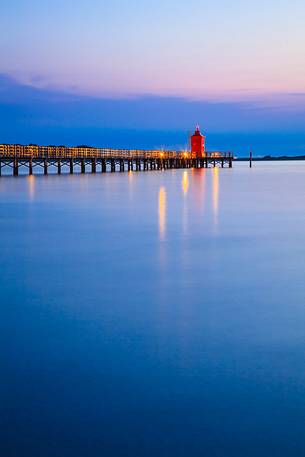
268	158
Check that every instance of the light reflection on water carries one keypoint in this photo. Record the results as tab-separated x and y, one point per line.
215	194
185	188
31	186
162	212
185	182
156	313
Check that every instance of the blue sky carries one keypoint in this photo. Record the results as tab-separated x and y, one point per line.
145	73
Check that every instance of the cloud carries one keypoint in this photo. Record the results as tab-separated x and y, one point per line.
31	114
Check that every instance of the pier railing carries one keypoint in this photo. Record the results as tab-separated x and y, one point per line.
17	157
61	152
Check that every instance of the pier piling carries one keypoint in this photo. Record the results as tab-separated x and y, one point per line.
15	167
104	167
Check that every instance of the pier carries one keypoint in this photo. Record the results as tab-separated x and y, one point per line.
84	159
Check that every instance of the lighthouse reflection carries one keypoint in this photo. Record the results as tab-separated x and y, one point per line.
199	182
162	212
199	190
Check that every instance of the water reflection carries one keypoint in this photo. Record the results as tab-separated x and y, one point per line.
162	212
208	342
185	182
130	177
185	188
215	195
198	179
31	186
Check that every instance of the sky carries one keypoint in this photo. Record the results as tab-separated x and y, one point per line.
137	74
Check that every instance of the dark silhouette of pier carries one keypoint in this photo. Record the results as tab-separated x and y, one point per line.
85	159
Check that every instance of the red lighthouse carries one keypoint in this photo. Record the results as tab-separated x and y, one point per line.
198	143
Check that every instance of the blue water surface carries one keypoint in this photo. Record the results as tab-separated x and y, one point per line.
154	313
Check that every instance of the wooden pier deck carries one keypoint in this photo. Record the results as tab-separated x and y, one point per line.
69	160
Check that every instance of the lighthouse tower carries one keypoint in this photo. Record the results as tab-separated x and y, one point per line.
198	143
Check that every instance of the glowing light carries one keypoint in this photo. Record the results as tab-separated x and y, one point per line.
162	212
216	154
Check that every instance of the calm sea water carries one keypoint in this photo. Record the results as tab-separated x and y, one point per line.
154	314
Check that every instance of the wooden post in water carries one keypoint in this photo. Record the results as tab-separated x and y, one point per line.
45	166
15	167
71	166
30	166
250	159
